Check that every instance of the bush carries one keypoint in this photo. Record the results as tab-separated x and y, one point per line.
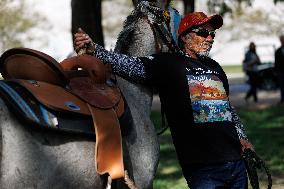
15	20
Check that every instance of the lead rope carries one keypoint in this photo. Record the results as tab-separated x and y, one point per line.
109	181
130	183
254	162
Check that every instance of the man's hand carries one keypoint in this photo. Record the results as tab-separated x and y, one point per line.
83	41
246	144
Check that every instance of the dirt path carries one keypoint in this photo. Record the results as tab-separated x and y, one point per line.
265	99
237	96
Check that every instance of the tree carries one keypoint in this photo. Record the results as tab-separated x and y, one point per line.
15	22
223	7
275	1
243	21
188	6
87	15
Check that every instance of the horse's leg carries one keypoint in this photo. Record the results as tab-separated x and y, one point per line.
141	147
44	159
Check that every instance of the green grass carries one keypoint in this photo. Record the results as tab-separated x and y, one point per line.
233	69
169	174
265	129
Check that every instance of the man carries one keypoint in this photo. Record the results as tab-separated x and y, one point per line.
250	67
279	67
193	89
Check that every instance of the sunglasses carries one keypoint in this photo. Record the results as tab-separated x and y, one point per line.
204	32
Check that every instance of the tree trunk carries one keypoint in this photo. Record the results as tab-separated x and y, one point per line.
188	6
135	2
87	15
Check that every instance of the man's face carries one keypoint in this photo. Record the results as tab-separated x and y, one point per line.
198	42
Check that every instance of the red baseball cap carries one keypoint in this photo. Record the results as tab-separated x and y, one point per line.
198	18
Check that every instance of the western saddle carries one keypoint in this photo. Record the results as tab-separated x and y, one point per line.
81	85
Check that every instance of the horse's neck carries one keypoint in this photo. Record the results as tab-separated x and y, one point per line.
137	40
137	96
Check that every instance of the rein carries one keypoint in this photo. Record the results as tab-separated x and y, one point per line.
157	19
253	162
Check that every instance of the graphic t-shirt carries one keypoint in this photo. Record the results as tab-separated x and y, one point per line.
208	99
195	97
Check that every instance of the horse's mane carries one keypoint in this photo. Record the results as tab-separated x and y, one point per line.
130	24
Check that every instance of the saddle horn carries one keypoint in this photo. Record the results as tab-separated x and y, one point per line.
97	70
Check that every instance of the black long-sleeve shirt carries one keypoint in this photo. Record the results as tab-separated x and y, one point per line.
194	94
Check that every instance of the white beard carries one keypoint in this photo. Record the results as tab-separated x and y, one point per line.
204	53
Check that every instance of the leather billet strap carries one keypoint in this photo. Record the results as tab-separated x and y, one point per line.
109	155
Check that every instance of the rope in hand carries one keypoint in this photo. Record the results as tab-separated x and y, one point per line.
127	180
254	162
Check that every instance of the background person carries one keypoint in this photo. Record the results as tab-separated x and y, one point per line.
250	64
279	67
194	90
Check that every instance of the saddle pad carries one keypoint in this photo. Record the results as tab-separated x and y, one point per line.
34	65
30	111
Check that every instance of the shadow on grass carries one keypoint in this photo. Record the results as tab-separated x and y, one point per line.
169	174
265	129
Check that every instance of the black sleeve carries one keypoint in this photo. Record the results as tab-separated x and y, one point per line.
137	69
238	124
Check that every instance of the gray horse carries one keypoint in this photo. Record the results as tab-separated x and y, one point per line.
35	159
140	37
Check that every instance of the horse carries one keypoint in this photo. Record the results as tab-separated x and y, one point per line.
46	159
140	37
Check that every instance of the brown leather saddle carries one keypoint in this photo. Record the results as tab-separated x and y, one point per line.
79	85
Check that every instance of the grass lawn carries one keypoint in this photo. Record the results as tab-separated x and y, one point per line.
233	68
265	128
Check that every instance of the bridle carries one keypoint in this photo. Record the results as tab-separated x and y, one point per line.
158	20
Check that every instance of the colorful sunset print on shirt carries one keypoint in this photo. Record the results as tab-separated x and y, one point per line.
209	99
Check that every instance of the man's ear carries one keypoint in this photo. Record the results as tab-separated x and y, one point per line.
183	38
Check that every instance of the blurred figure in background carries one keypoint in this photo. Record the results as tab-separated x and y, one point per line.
250	68
279	67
